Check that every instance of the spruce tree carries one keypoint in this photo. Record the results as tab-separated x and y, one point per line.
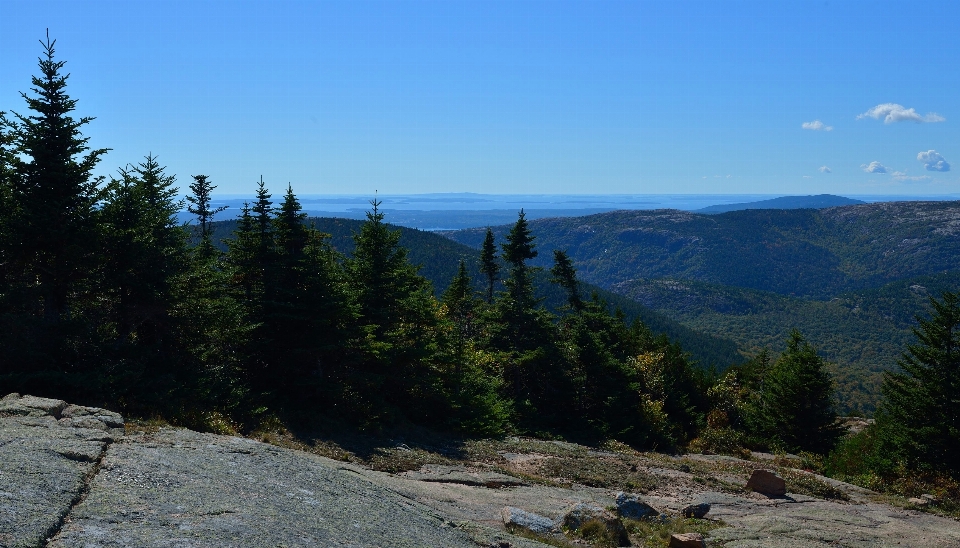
919	416
145	249
796	407
53	193
565	275
460	304
488	263
200	205
399	313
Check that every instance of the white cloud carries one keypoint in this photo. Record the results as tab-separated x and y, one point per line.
902	176
816	125
873	167
892	112
933	161
824	169
807	177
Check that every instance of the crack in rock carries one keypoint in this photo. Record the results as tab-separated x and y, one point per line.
81	493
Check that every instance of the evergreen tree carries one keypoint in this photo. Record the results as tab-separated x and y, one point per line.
144	252
53	195
488	263
202	190
518	305
796	406
524	333
460	304
919	417
399	312
288	225
565	275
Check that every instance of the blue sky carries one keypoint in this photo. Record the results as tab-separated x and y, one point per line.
512	97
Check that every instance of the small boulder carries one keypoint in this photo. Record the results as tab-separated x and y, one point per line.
630	506
687	540
31	406
582	513
695	510
515	517
767	483
918	501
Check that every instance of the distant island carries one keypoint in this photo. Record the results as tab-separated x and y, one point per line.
785	202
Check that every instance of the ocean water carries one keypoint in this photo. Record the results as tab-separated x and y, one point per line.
449	211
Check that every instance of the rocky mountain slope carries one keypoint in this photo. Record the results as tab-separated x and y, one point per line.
78	476
801	252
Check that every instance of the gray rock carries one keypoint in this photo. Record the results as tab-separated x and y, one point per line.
630	506
176	487
43	471
582	513
108	418
30	406
459	474
695	510
515	517
767	483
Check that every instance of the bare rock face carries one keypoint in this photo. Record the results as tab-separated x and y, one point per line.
687	540
767	483
630	506
70	477
45	465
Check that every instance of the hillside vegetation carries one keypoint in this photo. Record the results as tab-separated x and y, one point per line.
852	279
438	259
803	252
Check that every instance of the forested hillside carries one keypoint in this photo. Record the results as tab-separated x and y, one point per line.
438	259
804	252
852	279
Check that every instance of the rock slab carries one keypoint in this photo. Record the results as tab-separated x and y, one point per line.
45	465
515	517
176	487
767	483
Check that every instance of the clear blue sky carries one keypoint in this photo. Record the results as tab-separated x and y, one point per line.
512	96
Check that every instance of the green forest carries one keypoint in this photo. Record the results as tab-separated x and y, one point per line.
106	299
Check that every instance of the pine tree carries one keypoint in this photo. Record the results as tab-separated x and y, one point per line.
53	194
797	408
202	190
919	417
488	263
565	275
397	309
145	249
460	304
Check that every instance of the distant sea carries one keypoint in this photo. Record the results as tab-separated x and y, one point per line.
450	211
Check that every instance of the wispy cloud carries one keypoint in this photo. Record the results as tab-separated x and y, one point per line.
933	161
892	112
902	176
824	169
816	125
874	167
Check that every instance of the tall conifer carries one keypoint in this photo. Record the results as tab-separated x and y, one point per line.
488	262
54	193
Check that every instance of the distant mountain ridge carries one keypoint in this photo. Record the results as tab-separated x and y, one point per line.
819	201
